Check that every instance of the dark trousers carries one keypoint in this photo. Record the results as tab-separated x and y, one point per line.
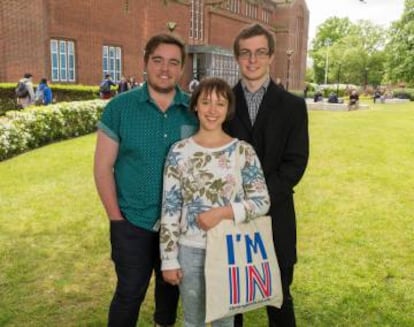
135	253
285	316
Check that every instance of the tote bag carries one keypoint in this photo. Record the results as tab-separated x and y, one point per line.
241	269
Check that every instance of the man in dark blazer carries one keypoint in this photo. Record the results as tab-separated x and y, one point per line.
275	122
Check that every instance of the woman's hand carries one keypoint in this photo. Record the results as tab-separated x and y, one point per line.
172	276
209	219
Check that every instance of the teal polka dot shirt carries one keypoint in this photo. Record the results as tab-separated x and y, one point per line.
144	134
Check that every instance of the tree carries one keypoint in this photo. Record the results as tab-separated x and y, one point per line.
309	76
353	51
332	30
328	34
400	49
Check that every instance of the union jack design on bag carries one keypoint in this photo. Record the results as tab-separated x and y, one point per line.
254	277
244	276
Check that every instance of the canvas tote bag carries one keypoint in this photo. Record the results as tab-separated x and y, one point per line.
241	269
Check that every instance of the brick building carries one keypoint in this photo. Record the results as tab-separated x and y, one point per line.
78	41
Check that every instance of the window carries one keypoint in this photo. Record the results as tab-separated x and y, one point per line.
62	57
266	15
234	6
251	10
196	23
112	62
219	65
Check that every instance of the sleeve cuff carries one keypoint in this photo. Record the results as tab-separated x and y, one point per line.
170	264
100	125
239	212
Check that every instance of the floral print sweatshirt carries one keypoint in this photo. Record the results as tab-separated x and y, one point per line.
197	179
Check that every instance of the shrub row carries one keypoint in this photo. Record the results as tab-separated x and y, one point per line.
61	93
35	126
396	93
404	93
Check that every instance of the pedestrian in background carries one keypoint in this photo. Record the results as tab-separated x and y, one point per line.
25	92
105	87
193	84
123	85
43	95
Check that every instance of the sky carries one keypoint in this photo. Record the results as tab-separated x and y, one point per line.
380	12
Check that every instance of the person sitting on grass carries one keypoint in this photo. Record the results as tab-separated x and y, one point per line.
333	98
353	101
318	97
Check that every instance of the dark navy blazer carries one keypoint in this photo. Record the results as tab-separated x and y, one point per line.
281	140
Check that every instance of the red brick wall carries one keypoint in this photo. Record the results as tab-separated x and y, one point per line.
24	34
223	27
292	33
127	24
108	22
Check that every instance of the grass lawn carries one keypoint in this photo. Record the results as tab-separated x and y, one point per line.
355	209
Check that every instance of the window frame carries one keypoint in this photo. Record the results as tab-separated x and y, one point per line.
112	61
62	60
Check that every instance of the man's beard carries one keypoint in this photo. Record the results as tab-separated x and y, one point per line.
163	90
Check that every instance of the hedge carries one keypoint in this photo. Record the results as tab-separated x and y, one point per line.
404	93
33	127
61	93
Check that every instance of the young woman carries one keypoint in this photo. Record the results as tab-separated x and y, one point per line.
43	95
207	178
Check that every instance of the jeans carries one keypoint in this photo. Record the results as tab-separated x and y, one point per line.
285	316
192	289
135	253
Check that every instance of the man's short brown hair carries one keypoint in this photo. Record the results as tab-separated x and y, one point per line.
252	31
164	38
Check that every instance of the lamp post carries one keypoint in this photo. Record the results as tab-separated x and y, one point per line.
289	54
337	80
366	78
327	44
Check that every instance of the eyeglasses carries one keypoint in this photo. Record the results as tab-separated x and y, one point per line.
258	54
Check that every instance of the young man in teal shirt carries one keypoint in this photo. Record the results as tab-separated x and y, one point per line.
134	134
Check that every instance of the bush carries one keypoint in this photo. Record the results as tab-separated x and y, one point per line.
298	93
35	126
61	93
404	94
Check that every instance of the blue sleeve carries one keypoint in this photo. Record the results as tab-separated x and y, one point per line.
48	95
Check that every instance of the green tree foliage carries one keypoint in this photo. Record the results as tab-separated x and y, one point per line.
331	31
399	66
309	75
354	52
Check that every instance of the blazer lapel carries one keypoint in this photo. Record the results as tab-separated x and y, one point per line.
241	108
267	105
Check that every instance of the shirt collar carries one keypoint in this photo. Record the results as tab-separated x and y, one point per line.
264	86
180	98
